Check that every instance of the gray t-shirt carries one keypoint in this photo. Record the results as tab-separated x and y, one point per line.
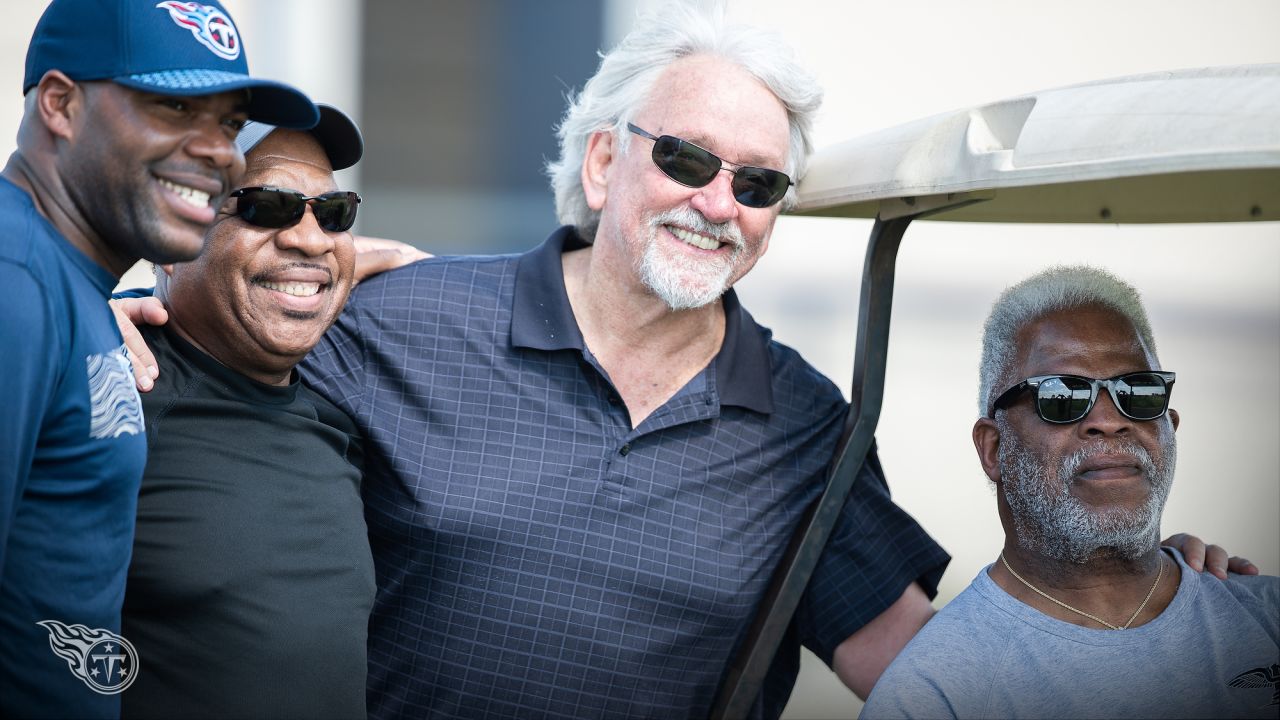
1212	653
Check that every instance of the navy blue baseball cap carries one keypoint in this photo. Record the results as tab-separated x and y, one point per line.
169	48
337	134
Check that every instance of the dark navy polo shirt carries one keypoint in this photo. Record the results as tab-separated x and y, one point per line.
538	557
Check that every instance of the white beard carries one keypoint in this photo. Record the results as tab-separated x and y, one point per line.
1051	522
685	283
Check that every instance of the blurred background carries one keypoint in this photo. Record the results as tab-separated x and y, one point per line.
458	102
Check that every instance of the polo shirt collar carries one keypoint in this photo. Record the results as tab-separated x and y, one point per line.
542	319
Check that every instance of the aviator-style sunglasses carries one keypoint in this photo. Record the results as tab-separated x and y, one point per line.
274	207
695	167
1062	399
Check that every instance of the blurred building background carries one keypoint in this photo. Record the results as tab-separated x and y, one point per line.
458	101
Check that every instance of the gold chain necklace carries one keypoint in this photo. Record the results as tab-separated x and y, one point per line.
1094	618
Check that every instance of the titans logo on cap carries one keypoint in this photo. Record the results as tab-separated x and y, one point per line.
208	24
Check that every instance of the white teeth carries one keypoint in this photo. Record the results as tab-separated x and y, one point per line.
194	197
297	289
698	241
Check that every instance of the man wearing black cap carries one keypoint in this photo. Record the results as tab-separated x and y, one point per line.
251	581
124	152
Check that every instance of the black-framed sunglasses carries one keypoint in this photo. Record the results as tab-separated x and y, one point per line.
275	207
1062	399
696	167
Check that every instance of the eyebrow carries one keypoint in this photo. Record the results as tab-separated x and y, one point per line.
751	157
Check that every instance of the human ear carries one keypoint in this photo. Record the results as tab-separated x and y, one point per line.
595	168
58	101
986	440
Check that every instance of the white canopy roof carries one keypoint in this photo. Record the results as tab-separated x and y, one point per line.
1186	146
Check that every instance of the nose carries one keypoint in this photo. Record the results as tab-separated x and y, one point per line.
1105	418
305	236
210	142
715	200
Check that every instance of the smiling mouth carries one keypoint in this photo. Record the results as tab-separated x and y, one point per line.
296	289
193	197
689	237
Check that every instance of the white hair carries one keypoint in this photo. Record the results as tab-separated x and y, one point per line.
622	84
1057	288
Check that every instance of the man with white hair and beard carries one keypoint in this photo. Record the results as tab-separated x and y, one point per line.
1084	614
586	461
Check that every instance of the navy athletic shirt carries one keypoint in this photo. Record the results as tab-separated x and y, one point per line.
71	458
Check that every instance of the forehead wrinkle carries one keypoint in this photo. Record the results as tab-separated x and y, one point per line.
710	92
752	157
290	172
283	149
1073	341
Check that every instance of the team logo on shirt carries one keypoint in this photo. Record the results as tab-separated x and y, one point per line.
208	24
114	404
103	660
1260	677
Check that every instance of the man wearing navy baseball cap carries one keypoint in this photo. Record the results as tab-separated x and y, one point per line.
125	150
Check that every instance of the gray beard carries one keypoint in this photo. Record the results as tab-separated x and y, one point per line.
1051	522
668	277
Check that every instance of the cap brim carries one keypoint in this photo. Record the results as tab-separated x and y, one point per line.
339	137
269	101
337	134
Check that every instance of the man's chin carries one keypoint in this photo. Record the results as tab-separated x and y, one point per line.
685	294
172	247
679	302
1129	544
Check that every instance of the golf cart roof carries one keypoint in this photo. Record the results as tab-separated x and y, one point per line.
1183	146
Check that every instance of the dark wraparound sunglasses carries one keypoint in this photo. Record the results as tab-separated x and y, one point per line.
695	167
274	207
1062	399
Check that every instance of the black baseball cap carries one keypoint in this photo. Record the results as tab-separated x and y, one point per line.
337	133
170	48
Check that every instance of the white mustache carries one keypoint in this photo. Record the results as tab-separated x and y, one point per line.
692	219
1071	464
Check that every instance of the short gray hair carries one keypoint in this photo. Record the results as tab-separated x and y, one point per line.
622	84
1061	287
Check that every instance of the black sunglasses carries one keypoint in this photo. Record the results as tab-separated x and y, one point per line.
695	167
1062	399
273	207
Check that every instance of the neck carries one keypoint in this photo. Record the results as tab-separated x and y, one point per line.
620	311
280	375
52	202
648	350
1105	585
1102	566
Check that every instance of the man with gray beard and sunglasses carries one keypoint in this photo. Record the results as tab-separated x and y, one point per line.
1083	614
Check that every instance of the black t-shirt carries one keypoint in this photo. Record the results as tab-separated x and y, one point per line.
251	582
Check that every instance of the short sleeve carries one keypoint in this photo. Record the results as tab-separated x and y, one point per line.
30	363
875	551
